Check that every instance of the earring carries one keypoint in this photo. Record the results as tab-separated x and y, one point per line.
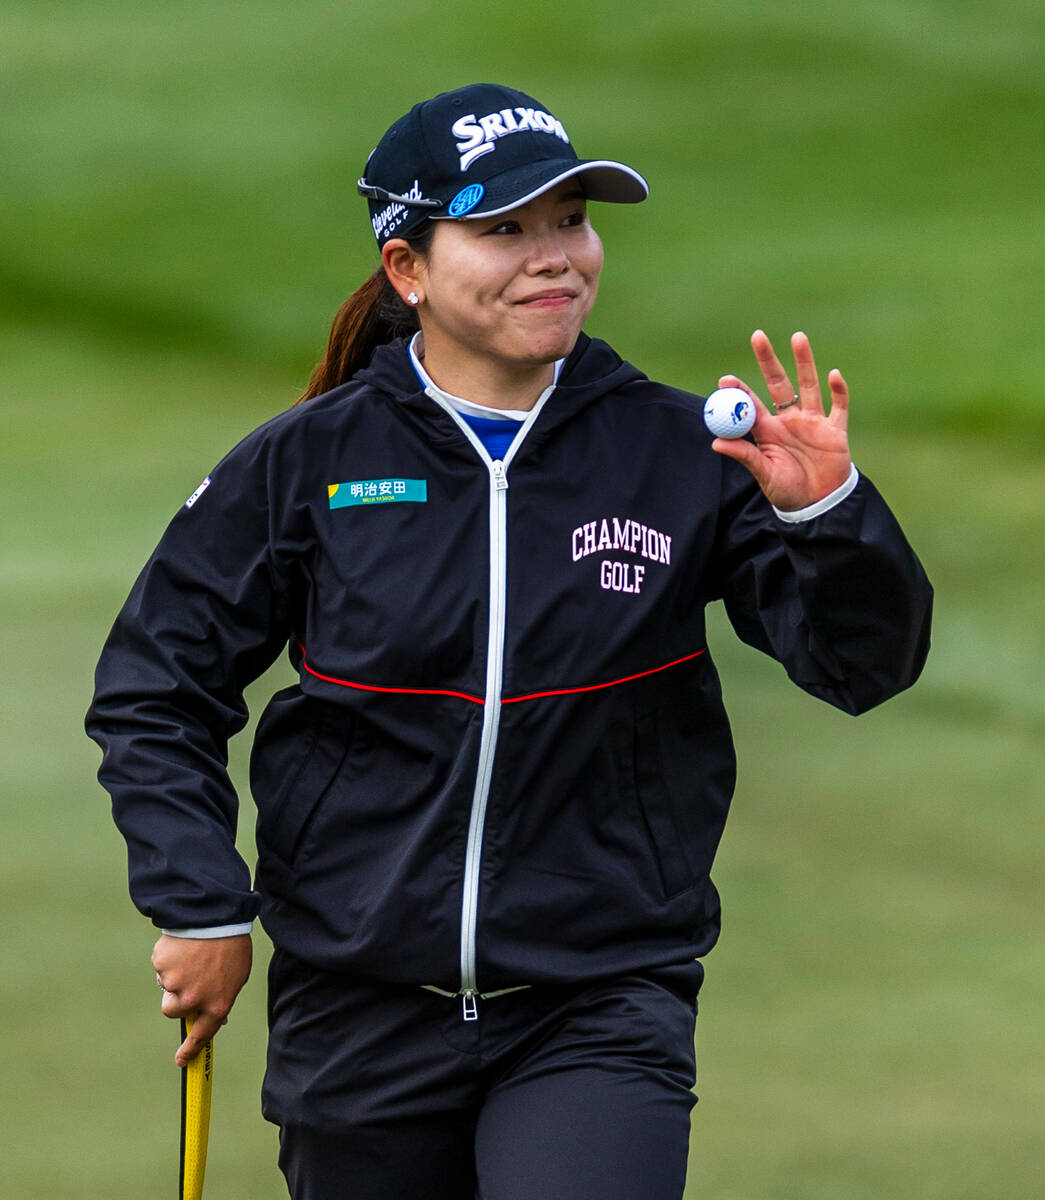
414	298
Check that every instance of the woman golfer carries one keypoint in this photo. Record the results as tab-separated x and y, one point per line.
488	807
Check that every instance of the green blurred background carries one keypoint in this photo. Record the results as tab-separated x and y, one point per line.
178	226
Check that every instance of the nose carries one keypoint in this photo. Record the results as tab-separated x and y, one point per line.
548	256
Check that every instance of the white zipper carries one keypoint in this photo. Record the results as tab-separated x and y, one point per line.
488	740
498	524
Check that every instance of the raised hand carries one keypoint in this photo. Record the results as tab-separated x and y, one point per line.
800	453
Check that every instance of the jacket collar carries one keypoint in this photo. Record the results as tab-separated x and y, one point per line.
591	369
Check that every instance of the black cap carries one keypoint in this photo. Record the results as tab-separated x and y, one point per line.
476	152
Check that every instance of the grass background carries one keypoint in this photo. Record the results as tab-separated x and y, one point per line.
178	224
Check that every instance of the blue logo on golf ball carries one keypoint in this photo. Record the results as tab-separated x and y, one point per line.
729	412
466	200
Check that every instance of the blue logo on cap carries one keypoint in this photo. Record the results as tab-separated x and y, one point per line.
466	200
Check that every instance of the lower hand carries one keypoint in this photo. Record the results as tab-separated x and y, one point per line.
200	977
800	453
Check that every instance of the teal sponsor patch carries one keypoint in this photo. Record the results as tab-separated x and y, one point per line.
377	491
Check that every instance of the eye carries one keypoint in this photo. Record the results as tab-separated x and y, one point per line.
506	227
575	218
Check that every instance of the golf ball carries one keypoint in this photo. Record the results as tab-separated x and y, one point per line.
729	412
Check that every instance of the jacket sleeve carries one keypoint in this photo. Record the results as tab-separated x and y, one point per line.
207	615
840	600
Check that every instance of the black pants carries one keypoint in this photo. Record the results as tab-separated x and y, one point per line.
566	1093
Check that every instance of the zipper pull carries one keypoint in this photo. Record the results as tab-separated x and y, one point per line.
470	1006
500	479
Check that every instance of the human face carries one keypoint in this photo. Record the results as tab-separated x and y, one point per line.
513	291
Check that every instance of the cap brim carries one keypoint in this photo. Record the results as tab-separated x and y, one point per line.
604	180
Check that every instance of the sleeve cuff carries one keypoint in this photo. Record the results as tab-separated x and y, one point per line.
211	931
821	506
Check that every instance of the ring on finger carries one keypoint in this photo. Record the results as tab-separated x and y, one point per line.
787	403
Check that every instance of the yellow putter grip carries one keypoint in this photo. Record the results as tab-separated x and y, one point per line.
196	1081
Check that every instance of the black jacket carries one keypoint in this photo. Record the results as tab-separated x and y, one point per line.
507	759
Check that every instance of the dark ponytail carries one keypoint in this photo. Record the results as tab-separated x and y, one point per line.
372	315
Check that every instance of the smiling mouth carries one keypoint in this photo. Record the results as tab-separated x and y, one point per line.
557	298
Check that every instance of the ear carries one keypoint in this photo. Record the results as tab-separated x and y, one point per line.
404	267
